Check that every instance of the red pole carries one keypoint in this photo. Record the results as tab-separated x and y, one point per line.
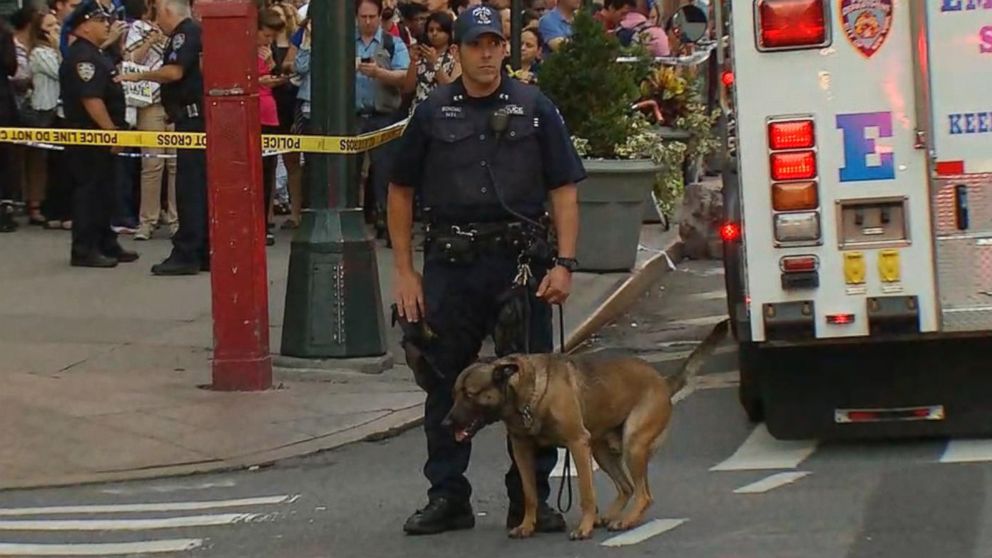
238	281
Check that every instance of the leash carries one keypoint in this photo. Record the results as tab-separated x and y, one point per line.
566	478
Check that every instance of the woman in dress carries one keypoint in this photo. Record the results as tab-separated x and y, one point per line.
434	64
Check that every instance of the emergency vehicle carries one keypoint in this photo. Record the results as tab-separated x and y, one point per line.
858	240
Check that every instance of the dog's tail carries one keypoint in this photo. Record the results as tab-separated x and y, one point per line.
695	361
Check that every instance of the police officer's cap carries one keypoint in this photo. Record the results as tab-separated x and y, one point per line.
477	21
85	11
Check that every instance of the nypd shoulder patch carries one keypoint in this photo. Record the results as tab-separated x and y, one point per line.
178	40
85	70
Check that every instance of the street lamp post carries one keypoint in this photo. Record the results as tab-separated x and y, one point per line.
516	25
333	303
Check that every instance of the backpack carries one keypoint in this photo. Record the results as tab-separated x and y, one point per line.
626	35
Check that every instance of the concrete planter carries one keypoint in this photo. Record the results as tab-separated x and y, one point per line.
611	210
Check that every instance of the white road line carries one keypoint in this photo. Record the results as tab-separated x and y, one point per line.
708	295
103	549
702	321
967	451
125	524
151	507
762	451
644	532
559	470
771	483
725	349
717	380
171	487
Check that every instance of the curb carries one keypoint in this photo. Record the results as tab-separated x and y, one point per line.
391	425
626	295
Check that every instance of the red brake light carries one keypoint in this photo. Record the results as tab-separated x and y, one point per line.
797	165
840	319
730	232
727	78
792	23
796	134
800	263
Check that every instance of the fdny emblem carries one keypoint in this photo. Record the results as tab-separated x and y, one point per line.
178	40
866	23
86	70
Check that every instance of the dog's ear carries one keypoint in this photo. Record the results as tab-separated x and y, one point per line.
503	372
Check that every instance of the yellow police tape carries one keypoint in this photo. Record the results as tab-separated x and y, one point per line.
198	140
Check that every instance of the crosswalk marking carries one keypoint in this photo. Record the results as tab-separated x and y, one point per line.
150	507
125	524
762	451
644	532
178	487
100	549
771	483
559	470
967	451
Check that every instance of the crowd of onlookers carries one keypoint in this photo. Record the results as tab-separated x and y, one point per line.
403	51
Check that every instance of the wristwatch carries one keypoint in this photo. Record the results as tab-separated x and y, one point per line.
571	264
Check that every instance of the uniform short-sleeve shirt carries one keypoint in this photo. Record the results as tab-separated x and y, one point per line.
184	49
562	164
88	73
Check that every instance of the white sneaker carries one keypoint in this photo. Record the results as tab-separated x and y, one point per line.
144	232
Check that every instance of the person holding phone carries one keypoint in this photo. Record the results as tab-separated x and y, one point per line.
433	62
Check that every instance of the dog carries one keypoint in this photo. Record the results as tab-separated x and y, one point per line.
614	409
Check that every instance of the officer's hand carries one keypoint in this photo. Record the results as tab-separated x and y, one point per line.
556	286
408	289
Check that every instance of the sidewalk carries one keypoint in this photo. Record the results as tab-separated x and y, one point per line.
102	370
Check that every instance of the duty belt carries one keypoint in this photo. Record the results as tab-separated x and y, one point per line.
465	242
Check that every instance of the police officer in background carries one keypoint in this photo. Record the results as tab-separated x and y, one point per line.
182	95
485	153
92	100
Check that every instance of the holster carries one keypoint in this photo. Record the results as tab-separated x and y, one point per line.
417	339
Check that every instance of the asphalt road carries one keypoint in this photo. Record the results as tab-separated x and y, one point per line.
722	487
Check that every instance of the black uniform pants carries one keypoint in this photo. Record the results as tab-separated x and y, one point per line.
92	170
462	308
191	242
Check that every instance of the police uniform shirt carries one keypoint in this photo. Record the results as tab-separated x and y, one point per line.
561	163
184	50
86	72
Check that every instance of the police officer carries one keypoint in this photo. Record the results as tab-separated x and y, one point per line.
92	100
182	96
484	153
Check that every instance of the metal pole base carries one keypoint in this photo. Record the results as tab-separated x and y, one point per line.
333	301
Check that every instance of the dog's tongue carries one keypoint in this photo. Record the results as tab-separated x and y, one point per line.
462	435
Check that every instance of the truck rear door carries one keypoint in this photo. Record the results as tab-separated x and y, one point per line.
837	224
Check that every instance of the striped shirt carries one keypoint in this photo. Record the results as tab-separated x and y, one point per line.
45	62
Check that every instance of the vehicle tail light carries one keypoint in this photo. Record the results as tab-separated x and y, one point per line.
799	165
794	196
797	227
791	135
791	24
730	232
840	319
796	264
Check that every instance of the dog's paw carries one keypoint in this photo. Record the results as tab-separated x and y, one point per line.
604	521
522	532
618	525
580	534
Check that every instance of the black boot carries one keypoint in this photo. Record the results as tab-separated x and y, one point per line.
120	254
93	259
175	266
548	520
441	514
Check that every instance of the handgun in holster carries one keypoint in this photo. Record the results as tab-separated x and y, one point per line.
417	338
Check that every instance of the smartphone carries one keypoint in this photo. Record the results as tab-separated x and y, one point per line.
366	60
